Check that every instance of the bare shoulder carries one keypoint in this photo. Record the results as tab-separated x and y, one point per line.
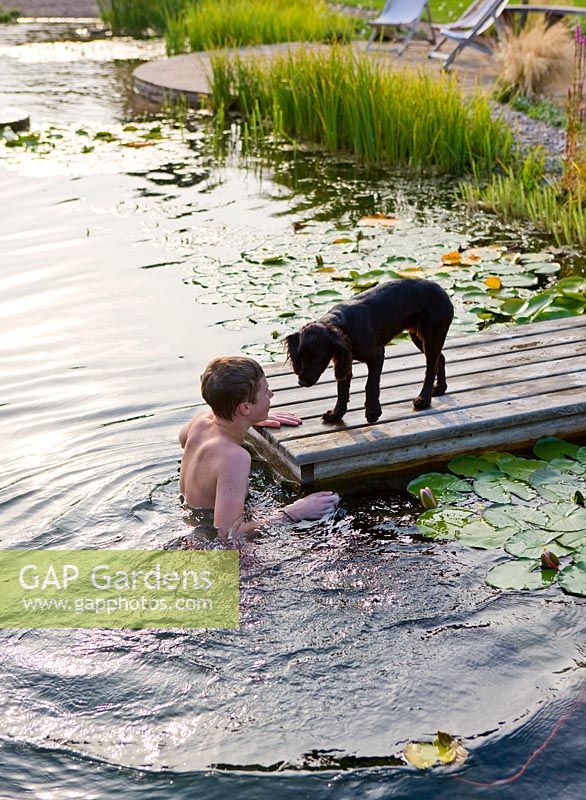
235	457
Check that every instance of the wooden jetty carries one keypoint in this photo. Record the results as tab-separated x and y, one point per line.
504	391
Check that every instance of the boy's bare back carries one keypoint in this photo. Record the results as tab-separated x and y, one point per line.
206	455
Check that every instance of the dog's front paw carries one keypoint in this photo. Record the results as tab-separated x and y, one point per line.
373	413
420	403
332	416
439	389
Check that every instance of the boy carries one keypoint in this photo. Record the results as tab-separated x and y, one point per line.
215	466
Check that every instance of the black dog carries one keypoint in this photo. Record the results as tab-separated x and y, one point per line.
360	329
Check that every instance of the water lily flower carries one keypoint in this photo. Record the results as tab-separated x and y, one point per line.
549	560
427	498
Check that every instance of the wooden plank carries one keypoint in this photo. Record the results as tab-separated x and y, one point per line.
574	327
516	380
305	402
505	390
403	357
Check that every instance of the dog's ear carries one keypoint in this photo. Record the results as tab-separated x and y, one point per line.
292	346
342	353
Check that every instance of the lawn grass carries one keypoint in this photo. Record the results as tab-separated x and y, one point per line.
349	103
444	10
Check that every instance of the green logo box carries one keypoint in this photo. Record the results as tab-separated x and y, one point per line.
119	589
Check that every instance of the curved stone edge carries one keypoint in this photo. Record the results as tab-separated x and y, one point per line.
14	118
158	93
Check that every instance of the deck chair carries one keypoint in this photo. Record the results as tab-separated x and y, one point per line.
397	13
467	29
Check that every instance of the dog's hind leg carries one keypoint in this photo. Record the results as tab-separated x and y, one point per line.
431	345
440	371
375	367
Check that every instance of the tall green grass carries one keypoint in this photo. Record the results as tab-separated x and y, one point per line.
212	24
526	192
350	103
202	24
137	17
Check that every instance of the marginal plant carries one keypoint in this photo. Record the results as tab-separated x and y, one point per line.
575	154
212	24
140	17
349	103
535	62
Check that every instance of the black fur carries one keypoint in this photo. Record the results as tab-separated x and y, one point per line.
360	329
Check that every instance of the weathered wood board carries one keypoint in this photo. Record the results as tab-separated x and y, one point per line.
504	391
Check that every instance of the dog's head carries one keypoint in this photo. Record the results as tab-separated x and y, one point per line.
313	347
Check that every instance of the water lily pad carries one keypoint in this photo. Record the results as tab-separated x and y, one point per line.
444	750
445	487
533	258
443	523
553	485
469	466
498	488
565	517
514	516
573	540
518	468
550	447
531	543
572	579
521	573
568	465
482	535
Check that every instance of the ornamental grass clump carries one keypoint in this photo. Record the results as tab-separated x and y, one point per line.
536	62
351	104
211	24
556	205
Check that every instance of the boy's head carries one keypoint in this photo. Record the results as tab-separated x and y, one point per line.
229	381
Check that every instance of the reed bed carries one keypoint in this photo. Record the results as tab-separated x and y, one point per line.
349	103
526	192
212	24
139	17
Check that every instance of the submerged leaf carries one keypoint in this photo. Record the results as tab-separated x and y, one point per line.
443	523
445	750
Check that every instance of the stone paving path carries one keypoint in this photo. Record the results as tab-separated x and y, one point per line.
54	8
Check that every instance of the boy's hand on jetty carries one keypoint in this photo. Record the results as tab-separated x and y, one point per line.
277	418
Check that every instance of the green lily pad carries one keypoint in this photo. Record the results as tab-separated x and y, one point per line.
551	447
573	578
519	468
573	540
443	523
469	466
531	544
521	573
514	516
533	258
568	465
498	488
537	303
565	517
482	535
445	487
553	485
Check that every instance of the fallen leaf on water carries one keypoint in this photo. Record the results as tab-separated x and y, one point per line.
137	144
343	240
326	269
493	282
444	749
379	220
411	272
453	257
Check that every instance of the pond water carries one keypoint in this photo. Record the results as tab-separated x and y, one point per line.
122	274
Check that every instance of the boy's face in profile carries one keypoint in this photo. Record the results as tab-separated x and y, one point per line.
259	410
